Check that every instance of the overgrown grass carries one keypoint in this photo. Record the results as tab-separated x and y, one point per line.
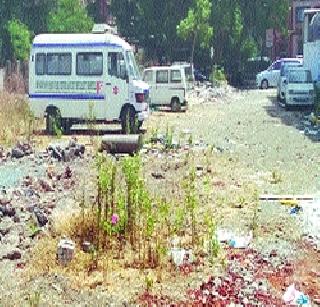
16	120
151	214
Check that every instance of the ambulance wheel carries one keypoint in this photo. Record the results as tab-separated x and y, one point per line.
129	123
66	125
287	107
53	121
264	84
175	105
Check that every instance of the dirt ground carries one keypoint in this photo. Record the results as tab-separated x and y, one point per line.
257	146
259	135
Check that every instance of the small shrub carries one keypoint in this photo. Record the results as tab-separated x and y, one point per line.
34	299
218	75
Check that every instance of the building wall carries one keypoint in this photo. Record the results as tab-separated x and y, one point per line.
296	24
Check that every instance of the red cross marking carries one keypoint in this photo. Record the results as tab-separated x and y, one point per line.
115	90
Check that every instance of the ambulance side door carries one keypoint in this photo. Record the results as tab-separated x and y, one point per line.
117	84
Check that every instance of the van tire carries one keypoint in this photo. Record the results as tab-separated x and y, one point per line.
53	121
287	107
175	105
66	125
264	84
129	122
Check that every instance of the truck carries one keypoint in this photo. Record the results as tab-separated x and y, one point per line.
76	77
311	42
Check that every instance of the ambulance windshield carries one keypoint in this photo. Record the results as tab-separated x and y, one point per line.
132	66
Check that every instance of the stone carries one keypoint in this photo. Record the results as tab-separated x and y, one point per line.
30	208
199	168
72	143
16	219
45	186
27	181
17	153
2	152
67	173
66	155
157	175
65	251
5	226
86	246
55	152
79	150
13	255
41	217
8	210
25	244
4	200
26	148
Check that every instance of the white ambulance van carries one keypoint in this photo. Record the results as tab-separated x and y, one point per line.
74	77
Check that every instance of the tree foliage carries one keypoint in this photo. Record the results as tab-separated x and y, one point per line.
239	26
33	13
20	39
196	25
69	16
153	24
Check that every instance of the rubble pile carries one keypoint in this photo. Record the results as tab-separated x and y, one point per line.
205	93
310	127
67	151
25	211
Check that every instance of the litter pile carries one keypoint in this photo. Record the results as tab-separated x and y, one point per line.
66	151
310	126
205	93
246	282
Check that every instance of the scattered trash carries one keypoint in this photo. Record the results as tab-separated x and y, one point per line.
65	251
295	210
283	198
180	256
224	235
66	151
21	150
235	241
87	247
289	202
293	296
241	241
158	175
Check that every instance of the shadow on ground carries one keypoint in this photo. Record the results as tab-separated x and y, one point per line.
294	117
84	131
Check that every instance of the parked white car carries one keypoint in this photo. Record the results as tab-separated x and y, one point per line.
283	77
299	88
269	78
285	66
168	86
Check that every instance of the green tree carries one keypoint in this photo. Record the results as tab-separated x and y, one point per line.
20	39
152	24
240	28
33	13
196	25
69	16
